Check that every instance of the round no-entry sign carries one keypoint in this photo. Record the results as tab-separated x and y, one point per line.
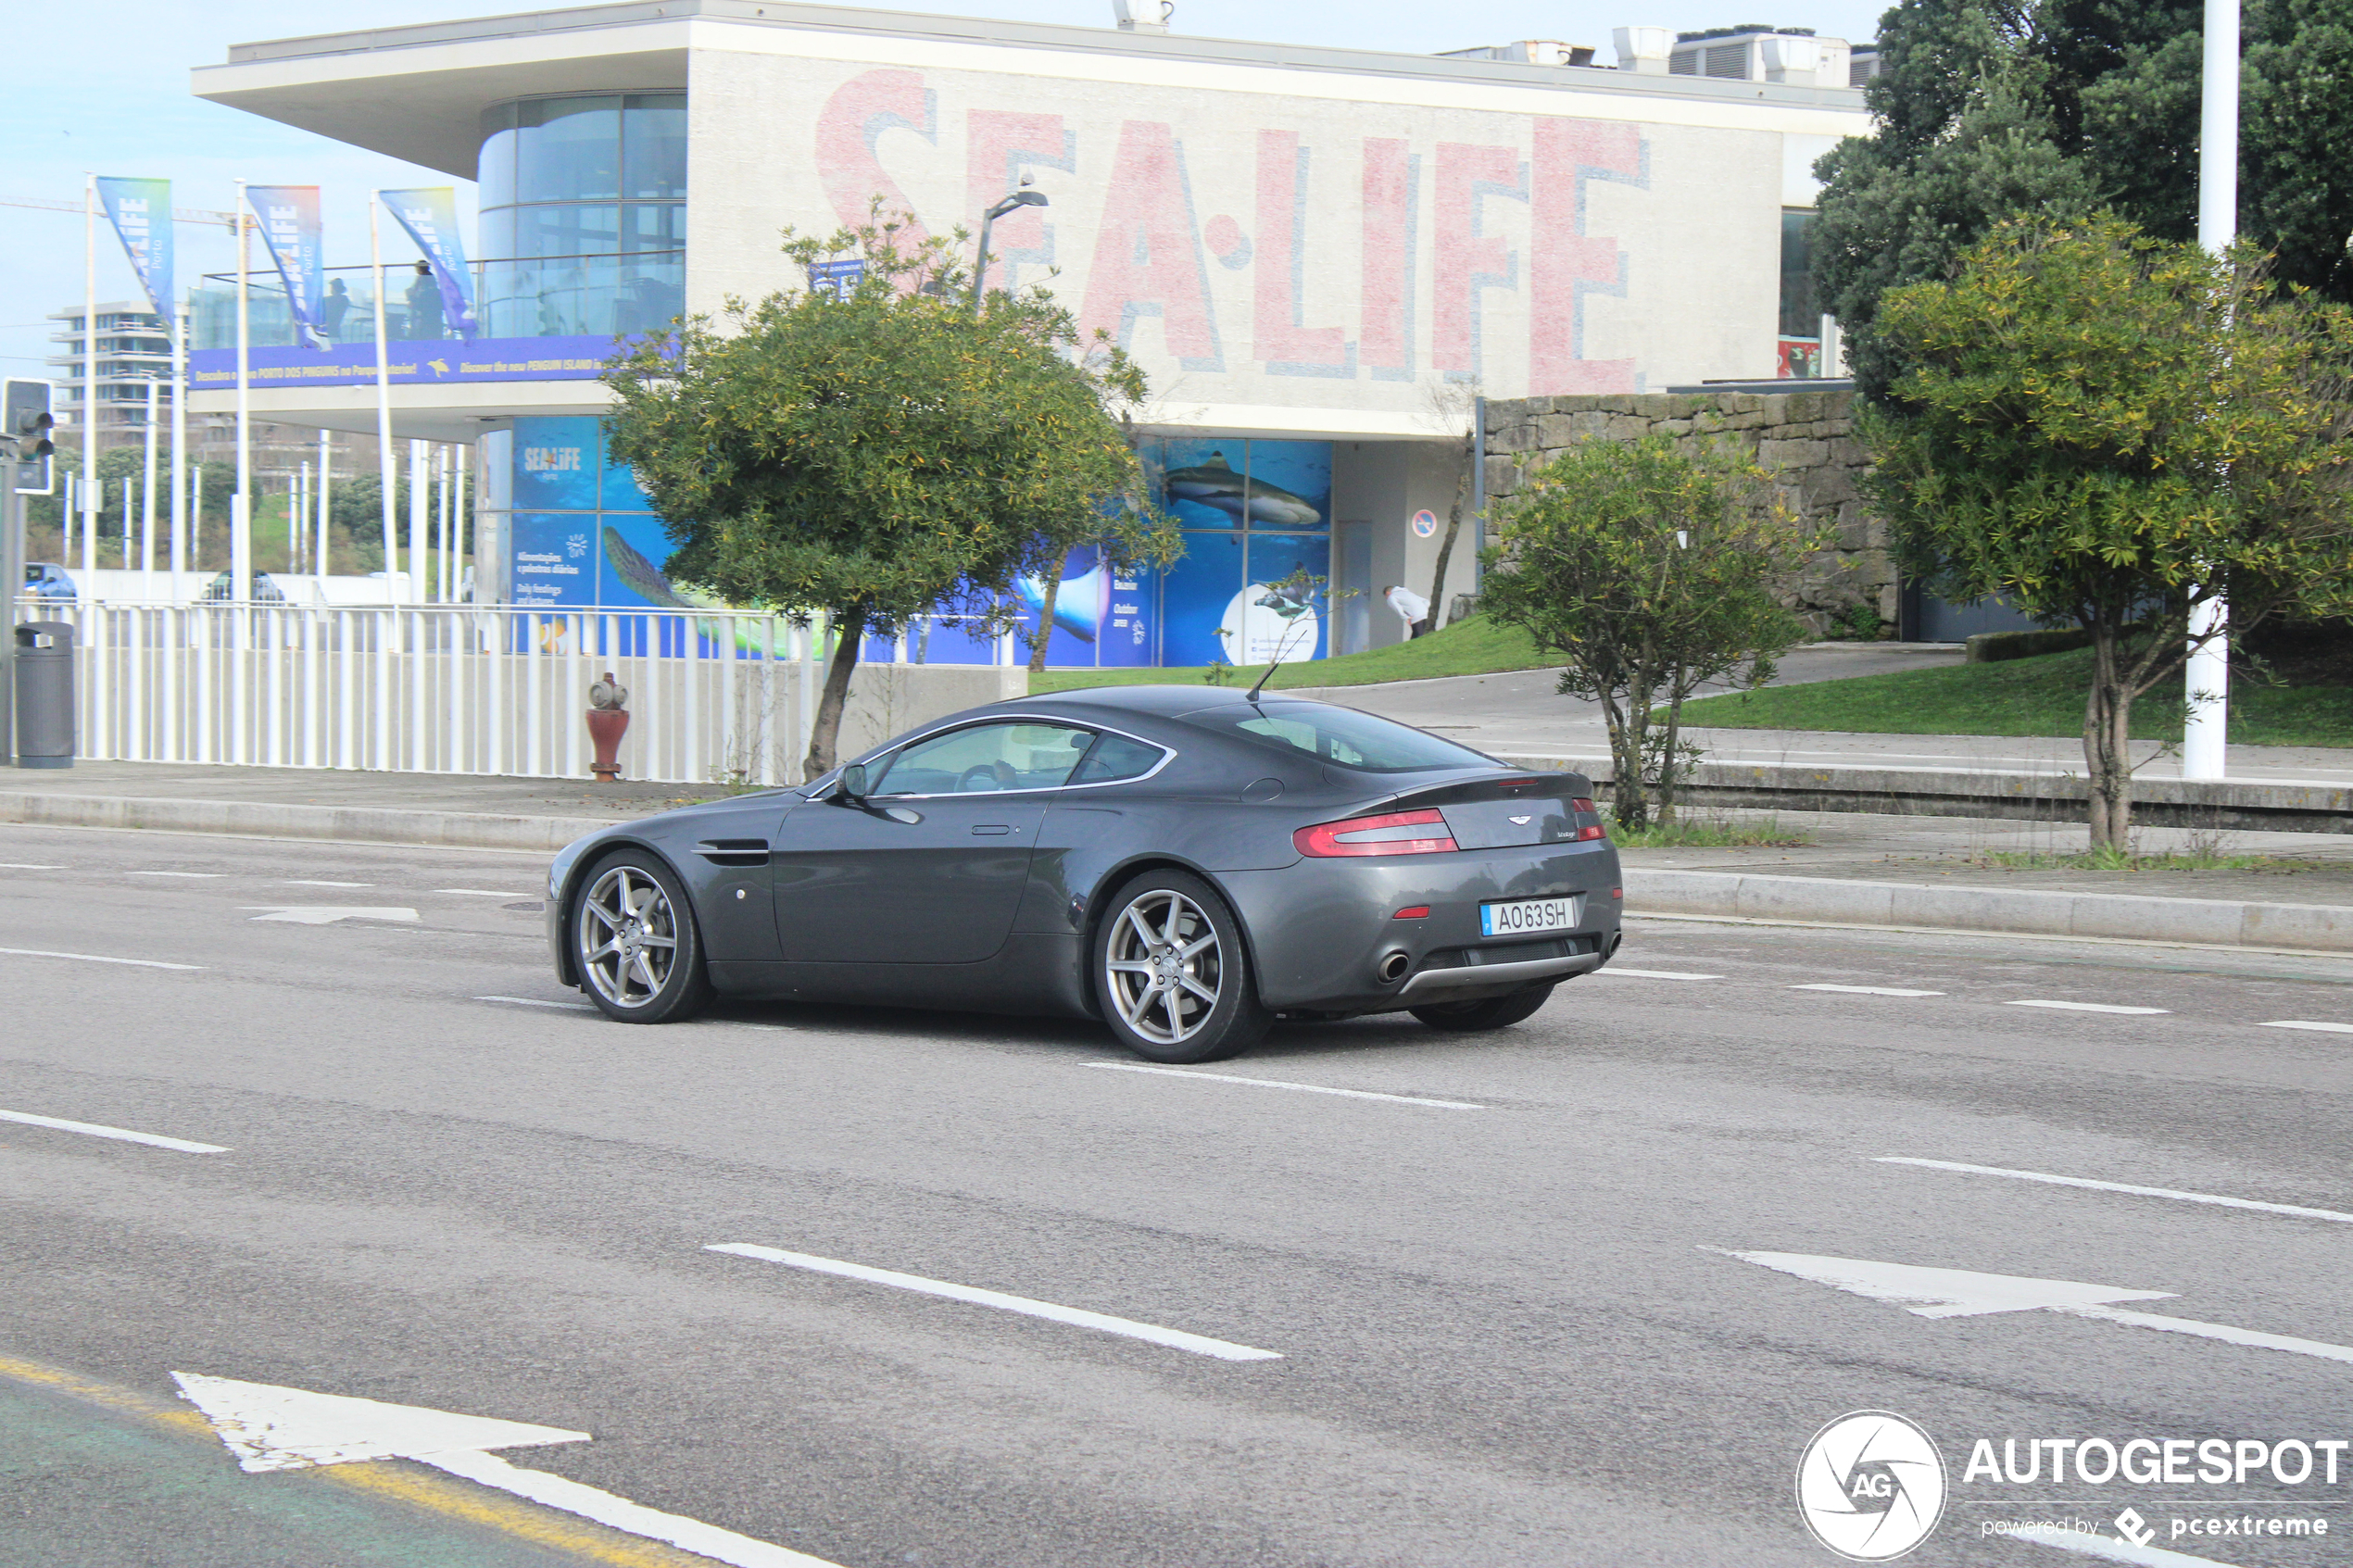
1424	523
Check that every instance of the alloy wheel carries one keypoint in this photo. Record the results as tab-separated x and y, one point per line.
1163	967
628	936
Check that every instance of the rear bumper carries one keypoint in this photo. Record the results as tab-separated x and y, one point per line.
1446	983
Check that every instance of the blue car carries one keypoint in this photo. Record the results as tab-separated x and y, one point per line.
46	580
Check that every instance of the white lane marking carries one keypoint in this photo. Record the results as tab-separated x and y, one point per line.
121	1134
1276	1083
2082	1007
270	1428
2308	1024
208	876
328	914
20	866
94	958
2293	1210
1657	974
479	892
535	1002
1961	1293
304	881
2115	1551
1175	1338
1867	990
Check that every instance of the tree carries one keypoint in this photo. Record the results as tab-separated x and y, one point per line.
1649	567
1991	108
875	453
1452	406
2110	429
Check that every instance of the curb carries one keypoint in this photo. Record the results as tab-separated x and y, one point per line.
2318	928
373	824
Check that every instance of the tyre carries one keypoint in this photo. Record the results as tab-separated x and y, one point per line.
1488	1012
1172	973
635	942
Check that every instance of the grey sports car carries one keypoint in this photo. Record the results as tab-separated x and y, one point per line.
1186	864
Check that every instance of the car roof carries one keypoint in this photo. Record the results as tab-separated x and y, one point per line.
1166	701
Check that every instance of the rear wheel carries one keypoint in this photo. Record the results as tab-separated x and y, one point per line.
1488	1012
1172	974
634	938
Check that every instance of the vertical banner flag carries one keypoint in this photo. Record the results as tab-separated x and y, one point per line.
289	216
141	213
430	214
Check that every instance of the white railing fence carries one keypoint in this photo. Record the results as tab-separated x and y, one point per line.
716	697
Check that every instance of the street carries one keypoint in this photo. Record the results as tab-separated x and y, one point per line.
1495	1282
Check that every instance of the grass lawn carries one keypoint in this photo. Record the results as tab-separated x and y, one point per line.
1475	646
2024	696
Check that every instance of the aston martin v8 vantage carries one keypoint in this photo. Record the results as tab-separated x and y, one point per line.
1186	864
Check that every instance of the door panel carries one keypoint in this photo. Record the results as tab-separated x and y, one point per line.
915	880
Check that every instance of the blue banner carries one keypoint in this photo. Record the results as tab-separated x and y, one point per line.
354	364
290	227
141	213
430	214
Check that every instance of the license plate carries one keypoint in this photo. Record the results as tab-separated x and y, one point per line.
1528	917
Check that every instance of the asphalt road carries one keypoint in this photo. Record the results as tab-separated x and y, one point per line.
1509	1334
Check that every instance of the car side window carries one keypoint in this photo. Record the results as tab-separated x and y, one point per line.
981	758
1115	758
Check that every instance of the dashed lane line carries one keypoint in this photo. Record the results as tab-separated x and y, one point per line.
1656	973
2293	1210
479	892
1278	1083
2080	1007
94	958
1867	990
19	866
1176	1340
306	882
201	876
2314	1024
535	1002
121	1134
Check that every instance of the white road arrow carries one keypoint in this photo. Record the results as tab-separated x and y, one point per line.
327	914
272	1428
1958	1293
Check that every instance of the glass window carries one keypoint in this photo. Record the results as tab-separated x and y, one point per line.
568	150
985	759
1116	756
495	164
653	146
1799	319
1340	735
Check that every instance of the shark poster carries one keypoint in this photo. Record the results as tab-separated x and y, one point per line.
1254	513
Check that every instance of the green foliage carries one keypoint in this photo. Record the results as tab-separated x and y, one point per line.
1991	109
1648	567
1476	644
1717	831
2108	431
883	453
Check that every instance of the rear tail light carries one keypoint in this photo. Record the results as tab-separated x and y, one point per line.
1586	830
1395	832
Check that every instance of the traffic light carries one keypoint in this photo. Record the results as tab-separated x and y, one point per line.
25	426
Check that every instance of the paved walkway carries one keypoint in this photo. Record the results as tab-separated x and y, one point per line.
334	787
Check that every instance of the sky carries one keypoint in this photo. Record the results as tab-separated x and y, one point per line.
101	86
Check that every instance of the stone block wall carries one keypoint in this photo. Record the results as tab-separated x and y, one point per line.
1806	438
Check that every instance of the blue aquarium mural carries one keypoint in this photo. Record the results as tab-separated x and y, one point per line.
1254	513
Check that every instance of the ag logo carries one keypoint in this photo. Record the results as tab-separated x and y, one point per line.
1870	1486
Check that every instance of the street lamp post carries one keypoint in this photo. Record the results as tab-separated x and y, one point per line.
2208	677
1023	197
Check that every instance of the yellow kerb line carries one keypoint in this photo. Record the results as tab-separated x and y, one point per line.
386	1478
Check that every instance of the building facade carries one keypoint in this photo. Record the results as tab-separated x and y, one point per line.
1323	259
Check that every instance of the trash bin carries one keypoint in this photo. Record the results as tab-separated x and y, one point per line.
44	694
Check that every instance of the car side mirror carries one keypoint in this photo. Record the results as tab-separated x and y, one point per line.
852	784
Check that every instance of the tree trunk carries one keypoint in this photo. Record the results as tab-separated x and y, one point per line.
1046	613
1629	801
1667	760
850	626
1446	546
2107	756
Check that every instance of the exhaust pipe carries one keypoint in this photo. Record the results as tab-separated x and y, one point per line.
1392	968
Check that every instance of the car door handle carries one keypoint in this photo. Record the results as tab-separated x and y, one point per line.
734	851
992	829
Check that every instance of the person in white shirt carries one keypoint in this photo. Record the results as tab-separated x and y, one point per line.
1411	607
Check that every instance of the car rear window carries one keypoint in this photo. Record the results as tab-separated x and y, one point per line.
1339	736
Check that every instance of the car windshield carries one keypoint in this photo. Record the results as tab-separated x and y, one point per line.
1340	735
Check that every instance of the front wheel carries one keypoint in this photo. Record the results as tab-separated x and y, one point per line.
1488	1012
635	941
1172	973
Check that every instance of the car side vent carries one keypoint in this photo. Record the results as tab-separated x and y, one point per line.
734	851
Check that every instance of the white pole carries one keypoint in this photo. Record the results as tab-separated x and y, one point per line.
179	449
460	460
384	391
446	459
419	501
89	374
297	517
147	492
326	504
2206	723
241	509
